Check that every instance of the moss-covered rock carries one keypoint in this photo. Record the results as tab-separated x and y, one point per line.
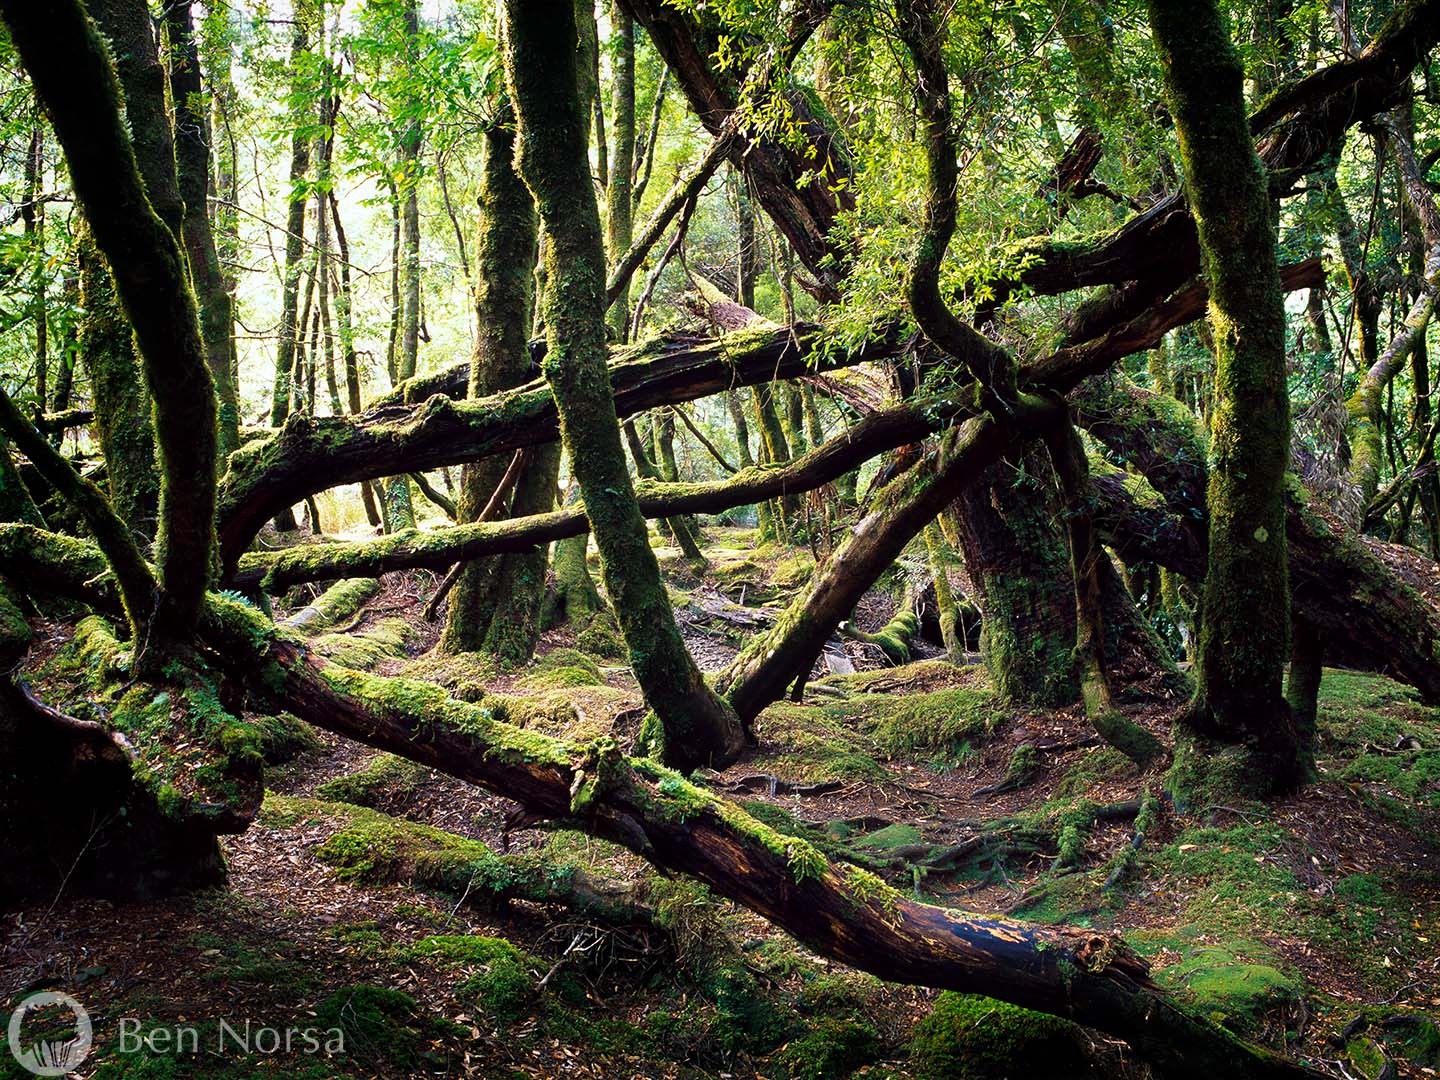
972	1037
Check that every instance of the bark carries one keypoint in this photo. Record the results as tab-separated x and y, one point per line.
1086	556
436	548
1367	405
774	164
289	331
742	429
133	576
1021	572
618	207
1245	628
698	728
311	453
989	364
770	663
130	30
123	422
192	160
1342	583
73	77
344	306
497	601
1296	128
1302	687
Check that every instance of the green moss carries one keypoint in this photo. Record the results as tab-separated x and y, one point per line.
335	604
504	984
1104	763
284	737
466	675
602	638
943	721
368	649
832	1050
386	1025
384	779
971	1037
558	678
1229	990
891	836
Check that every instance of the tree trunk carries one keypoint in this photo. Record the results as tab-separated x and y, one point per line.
117	389
618	208
192	159
1021	572
1086	556
505	254
69	65
1245	623
698	728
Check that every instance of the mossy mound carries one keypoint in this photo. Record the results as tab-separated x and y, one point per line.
467	676
284	737
833	1049
374	849
943	722
368	649
972	1037
386	780
602	638
1229	990
1374	731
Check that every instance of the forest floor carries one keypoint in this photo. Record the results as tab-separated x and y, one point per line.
360	898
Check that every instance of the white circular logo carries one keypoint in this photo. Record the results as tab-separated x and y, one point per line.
53	1057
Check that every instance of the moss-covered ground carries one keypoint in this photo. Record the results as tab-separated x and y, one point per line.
444	935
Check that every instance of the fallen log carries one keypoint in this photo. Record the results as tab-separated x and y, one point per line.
842	912
310	454
438	548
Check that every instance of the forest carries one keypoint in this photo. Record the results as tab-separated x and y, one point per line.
788	539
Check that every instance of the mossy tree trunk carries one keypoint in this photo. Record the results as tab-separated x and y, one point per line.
117	389
192	159
397	489
1090	660
1021	572
495	604
540	61
288	332
618	204
1245	623
71	70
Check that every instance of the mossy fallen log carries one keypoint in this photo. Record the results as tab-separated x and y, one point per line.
847	914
